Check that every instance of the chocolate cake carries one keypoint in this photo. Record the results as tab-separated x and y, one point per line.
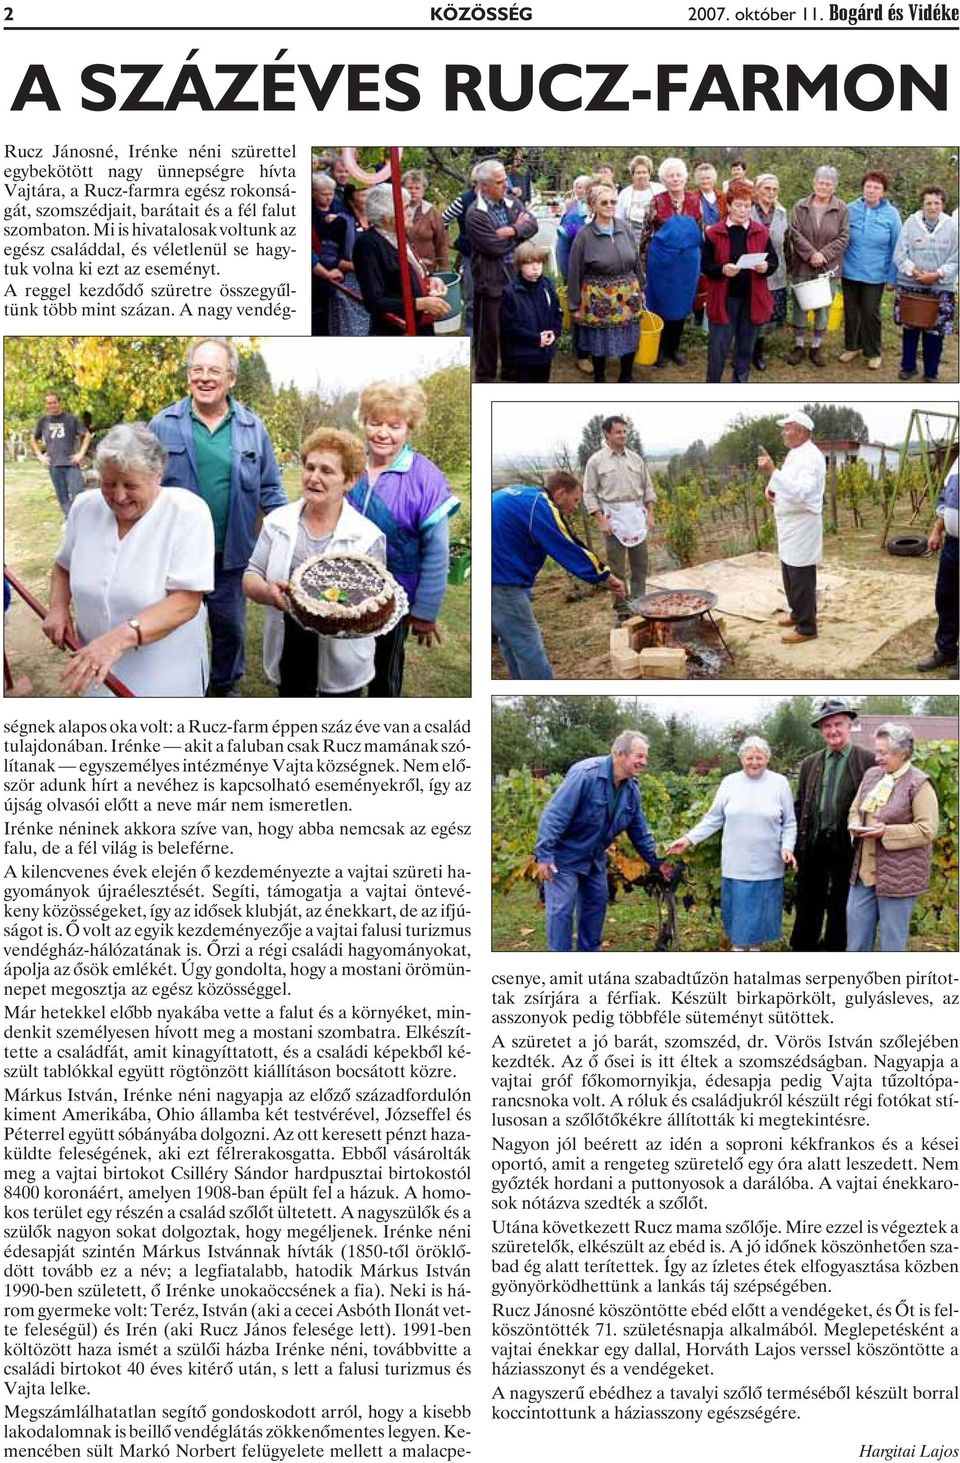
331	593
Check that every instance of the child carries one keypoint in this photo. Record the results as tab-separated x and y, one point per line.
530	318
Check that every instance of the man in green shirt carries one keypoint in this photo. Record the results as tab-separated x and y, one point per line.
221	450
827	785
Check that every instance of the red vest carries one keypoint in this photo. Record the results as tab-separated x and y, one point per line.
761	300
664	209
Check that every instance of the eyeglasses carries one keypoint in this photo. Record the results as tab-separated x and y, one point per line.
209	373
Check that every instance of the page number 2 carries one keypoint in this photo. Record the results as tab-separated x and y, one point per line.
7	13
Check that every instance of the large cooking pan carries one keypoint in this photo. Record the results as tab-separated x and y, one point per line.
675	604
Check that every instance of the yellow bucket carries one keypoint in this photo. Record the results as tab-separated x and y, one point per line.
650	328
564	302
835	318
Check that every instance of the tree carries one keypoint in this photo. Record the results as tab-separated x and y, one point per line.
445	436
889	705
835	423
677	743
116	378
787	728
512	742
565	729
740	444
938	706
254	386
591	439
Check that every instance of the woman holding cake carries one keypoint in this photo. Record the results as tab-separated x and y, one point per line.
407	496
297	661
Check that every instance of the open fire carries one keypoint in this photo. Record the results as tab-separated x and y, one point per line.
673	637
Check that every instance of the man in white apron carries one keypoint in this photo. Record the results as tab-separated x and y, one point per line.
618	492
796	492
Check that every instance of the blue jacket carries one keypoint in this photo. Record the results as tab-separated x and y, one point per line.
528	528
577	825
525	310
917	248
255	485
567	230
873	237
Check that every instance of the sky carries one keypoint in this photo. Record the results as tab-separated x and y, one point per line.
533	430
347	364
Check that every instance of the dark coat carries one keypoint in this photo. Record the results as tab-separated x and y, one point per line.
377	266
807	802
527	310
490	257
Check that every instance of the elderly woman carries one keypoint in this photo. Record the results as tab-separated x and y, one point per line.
298	662
713	203
670	251
768	211
893	822
135	563
574	217
755	810
603	286
819	234
409	499
331	244
633	200
868	269
376	261
425	230
347	315
926	260
738	297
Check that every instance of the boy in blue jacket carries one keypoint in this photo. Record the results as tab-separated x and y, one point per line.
530	318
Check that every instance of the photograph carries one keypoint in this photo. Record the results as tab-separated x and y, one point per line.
691	542
655	265
803	823
236	517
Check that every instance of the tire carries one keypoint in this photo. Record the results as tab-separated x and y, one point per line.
907	545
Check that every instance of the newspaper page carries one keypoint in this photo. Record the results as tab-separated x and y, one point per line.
480	1070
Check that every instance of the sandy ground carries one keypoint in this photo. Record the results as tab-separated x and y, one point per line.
858	612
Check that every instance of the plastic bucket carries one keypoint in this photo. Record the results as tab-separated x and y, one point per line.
449	324
835	318
564	303
814	294
918	311
650	328
459	572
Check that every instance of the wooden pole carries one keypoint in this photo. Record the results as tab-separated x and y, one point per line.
406	289
112	682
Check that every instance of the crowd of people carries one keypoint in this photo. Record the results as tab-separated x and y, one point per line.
185	520
355	257
858	833
675	245
729	258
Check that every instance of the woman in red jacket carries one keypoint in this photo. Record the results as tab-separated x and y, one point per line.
738	297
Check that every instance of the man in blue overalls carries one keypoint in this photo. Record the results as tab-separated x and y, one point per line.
597	799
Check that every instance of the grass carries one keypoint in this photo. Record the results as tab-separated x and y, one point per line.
632	923
32	531
779	344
